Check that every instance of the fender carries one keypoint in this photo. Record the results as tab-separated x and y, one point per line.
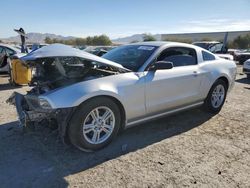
224	69
74	95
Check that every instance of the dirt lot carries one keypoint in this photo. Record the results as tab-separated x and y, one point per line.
190	149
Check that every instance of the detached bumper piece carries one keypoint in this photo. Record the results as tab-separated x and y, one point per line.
28	109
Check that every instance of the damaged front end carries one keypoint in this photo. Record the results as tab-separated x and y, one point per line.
29	109
32	110
55	67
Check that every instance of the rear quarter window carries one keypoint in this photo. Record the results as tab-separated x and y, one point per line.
207	56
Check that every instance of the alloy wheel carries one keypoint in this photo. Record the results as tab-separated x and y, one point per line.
218	96
98	125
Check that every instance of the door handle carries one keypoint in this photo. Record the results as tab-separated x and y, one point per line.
195	73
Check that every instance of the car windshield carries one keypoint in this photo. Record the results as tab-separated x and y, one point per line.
131	56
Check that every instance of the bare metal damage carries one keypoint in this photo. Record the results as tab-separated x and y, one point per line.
29	112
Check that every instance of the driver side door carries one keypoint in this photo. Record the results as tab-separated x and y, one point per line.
173	88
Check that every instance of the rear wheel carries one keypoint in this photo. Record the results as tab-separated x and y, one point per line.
216	97
94	124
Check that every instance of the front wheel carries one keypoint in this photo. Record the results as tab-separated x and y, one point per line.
94	124
216	97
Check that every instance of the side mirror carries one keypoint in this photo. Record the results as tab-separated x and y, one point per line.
161	65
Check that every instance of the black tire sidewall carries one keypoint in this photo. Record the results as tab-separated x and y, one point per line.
76	124
208	102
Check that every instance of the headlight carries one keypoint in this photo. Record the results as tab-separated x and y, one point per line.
44	104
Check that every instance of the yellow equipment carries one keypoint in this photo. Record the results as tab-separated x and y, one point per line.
19	74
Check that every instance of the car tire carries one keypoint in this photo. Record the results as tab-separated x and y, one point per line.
216	97
84	128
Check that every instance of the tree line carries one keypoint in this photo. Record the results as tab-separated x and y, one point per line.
240	42
101	40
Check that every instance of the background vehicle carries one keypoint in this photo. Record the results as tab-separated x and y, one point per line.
246	68
215	47
242	56
5	52
35	46
98	50
92	98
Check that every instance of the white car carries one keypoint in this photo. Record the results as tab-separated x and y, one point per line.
214	47
92	98
246	68
5	52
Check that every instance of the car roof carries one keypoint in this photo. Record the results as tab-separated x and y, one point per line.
166	43
151	43
207	42
11	47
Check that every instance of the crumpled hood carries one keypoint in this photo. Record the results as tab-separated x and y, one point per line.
61	50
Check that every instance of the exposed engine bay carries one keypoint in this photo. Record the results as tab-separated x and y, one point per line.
54	72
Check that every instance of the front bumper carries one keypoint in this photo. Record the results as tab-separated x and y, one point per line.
27	109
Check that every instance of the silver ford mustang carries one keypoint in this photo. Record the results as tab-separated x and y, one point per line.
91	98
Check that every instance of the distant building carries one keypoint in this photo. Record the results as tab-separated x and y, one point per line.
217	36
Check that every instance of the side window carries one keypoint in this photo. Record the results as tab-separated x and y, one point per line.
9	51
1	49
207	56
216	48
179	56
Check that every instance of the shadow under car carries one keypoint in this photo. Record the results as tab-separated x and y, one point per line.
41	156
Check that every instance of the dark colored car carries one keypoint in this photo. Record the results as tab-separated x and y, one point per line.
241	57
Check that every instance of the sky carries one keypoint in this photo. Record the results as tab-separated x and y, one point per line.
120	18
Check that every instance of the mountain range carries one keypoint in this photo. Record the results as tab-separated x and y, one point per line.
134	38
36	38
39	38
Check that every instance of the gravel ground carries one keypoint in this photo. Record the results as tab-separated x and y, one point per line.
192	149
